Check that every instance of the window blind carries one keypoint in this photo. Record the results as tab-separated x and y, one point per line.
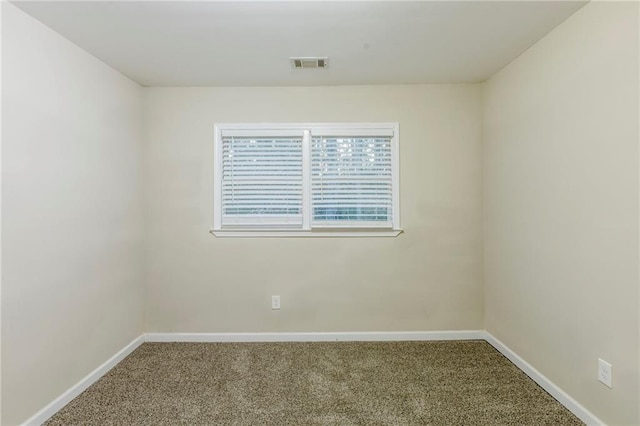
351	181
262	180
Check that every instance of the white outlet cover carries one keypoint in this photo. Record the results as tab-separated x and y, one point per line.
605	371
275	302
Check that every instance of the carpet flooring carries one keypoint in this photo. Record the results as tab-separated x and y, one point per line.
335	383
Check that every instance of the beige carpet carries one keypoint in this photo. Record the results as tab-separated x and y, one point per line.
364	383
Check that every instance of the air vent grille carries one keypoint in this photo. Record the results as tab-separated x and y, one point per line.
310	62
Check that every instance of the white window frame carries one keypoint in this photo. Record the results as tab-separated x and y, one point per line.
309	130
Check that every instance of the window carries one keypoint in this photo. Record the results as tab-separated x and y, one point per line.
306	180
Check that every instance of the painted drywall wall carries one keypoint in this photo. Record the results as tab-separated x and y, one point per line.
561	207
71	214
428	278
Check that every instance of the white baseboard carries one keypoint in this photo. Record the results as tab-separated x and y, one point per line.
55	405
571	404
316	337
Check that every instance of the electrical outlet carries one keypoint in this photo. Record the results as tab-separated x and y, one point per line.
604	372
275	302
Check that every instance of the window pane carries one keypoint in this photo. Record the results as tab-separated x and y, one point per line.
351	180
261	180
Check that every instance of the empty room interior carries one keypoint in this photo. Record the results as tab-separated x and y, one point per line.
320	213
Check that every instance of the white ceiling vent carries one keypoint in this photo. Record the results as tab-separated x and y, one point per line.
310	62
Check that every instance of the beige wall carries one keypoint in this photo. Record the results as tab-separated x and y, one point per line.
561	207
71	214
426	279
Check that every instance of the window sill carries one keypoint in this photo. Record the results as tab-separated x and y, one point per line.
296	233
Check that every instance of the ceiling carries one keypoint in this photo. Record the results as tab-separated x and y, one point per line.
249	43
